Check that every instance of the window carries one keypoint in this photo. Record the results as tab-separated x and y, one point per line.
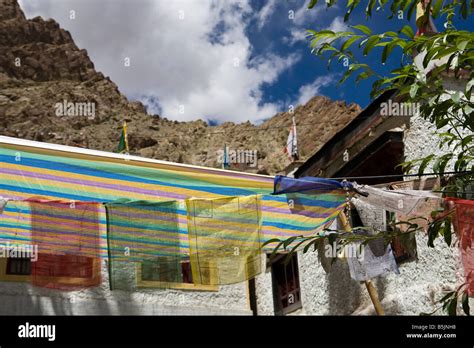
69	266
69	270
148	277
66	272
18	266
15	269
286	285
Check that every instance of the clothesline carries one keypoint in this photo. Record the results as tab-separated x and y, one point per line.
400	175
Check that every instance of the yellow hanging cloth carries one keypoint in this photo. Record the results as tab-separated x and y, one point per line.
224	239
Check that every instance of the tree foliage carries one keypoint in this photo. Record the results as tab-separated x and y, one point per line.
442	55
449	52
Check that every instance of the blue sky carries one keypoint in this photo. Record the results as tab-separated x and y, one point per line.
220	60
310	67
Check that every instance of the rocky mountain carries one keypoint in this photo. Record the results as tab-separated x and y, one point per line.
41	67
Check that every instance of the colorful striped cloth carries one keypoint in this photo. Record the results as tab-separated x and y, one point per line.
310	203
67	238
56	227
65	228
29	169
224	239
145	235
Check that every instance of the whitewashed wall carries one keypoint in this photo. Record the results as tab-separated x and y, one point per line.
417	288
24	299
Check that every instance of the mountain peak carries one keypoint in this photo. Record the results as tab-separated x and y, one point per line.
46	80
10	9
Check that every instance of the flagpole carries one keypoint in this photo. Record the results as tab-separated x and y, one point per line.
294	154
126	137
224	159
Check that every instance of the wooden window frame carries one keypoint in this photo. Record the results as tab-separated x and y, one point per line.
96	272
277	299
163	285
64	280
4	277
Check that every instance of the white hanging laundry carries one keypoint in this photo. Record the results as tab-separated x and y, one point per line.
373	219
398	201
367	266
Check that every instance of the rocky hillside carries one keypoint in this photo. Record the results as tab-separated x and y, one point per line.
40	66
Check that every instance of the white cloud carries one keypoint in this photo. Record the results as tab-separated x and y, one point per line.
304	16
187	55
296	35
265	13
310	90
305	19
338	25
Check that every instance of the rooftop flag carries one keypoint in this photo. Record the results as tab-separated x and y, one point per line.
123	143
291	148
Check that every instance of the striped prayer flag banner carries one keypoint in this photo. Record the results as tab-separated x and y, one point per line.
224	239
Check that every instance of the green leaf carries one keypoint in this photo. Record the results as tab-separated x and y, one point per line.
371	42
274	240
349	42
288	241
346	75
312	3
295	248
465	304
441	162
469	86
362	76
448	295
408	31
452	306
370	7
363	29
387	50
413	90
436	8
429	55
467	140
441	122
451	60
274	251
447	231
411	9
462	45
456	97
424	164
307	246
